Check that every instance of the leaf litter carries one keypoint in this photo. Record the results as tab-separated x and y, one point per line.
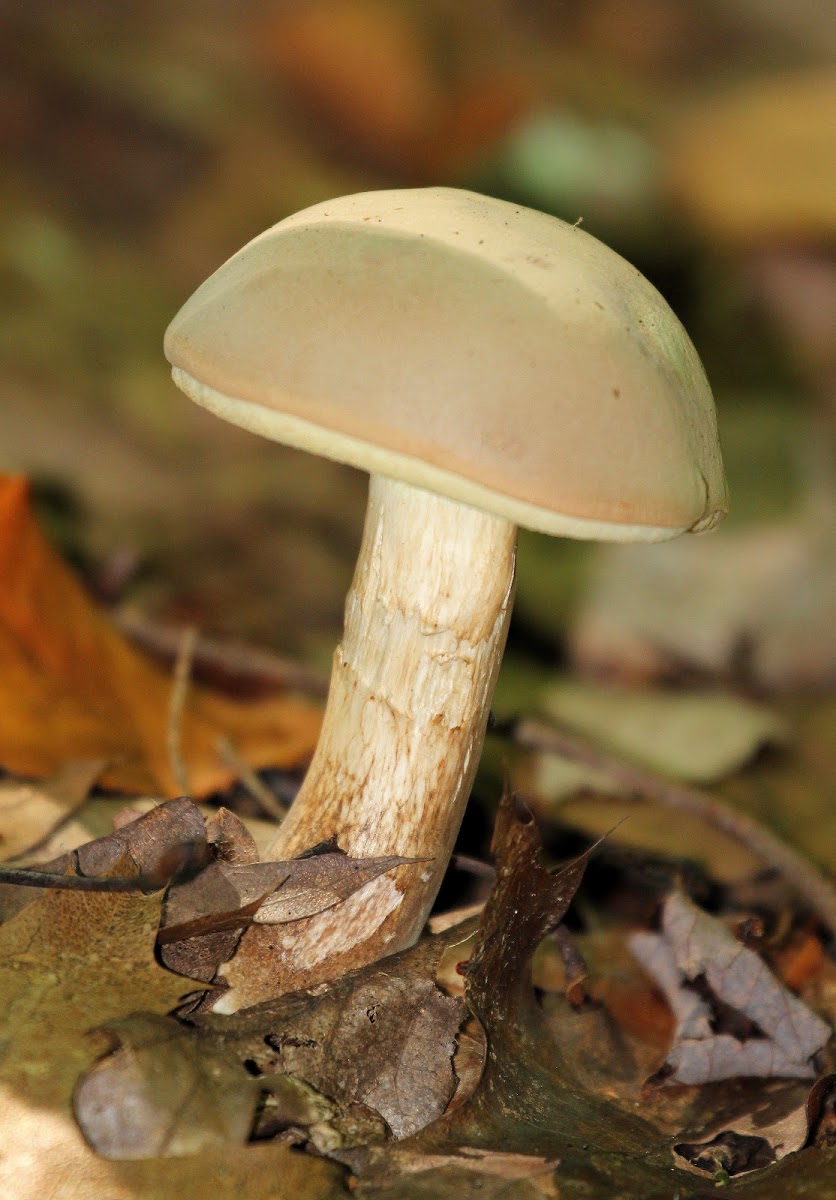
365	1069
56	708
734	1018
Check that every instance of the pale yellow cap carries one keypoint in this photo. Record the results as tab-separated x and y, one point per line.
468	346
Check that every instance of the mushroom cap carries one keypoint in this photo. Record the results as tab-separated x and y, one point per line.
467	346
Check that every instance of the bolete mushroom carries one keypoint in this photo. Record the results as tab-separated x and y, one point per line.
490	367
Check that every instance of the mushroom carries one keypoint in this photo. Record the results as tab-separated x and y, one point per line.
490	367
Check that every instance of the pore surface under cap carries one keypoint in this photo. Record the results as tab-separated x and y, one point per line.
469	346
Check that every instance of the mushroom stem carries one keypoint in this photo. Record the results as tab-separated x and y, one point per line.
412	681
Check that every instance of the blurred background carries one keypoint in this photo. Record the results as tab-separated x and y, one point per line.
143	144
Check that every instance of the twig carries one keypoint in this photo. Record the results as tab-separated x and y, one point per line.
640	783
224	662
574	966
179	863
474	866
176	704
257	789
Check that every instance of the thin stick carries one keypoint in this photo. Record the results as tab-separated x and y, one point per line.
219	661
179	863
257	789
176	704
639	783
574	966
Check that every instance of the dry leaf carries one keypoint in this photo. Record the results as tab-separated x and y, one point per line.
205	917
72	687
759	163
767	593
69	962
699	737
179	1096
364	1058
526	1105
154	845
275	959
382	1037
779	1035
774	1128
29	814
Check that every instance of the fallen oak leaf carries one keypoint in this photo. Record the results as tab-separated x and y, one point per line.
368	1055
783	1033
56	708
69	962
527	1103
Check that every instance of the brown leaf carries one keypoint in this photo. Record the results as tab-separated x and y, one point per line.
151	845
774	1126
181	1097
204	918
528	1104
779	1035
72	687
261	968
382	1037
68	962
361	1059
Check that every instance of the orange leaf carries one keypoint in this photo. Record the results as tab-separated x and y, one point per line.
72	687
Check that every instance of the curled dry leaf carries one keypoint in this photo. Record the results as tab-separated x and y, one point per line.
205	917
72	687
147	846
180	1096
734	1018
772	1128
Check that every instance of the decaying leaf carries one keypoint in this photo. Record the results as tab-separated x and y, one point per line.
71	961
181	1097
708	977
363	1059
204	917
57	708
528	1104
